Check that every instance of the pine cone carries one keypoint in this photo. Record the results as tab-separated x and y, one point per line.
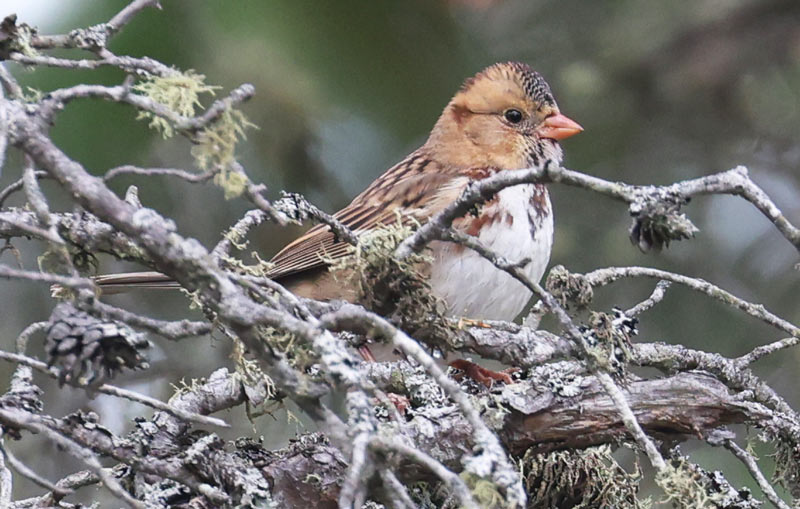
88	350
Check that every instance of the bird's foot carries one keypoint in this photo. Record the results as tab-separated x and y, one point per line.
482	375
366	353
463	323
400	402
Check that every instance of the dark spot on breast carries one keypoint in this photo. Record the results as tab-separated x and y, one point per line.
487	216
540	207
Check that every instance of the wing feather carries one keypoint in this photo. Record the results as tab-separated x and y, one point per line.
405	187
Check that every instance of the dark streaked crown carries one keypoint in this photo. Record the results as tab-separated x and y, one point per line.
534	85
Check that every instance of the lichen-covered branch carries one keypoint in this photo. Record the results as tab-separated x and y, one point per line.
402	426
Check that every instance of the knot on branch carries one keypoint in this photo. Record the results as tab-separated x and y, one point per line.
608	339
309	469
565	379
23	395
568	288
87	350
294	206
657	221
91	38
15	38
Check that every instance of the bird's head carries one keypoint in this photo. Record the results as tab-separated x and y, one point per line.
504	117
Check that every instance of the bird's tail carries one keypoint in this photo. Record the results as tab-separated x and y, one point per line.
124	282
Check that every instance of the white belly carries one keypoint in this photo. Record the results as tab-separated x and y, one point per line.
470	285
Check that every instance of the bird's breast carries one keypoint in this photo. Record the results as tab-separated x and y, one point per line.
517	224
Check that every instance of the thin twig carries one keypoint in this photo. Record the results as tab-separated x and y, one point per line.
17	185
129	169
6	484
353	491
764	350
400	497
112	390
601	277
9	84
173	330
658	294
298	208
128	12
752	466
450	478
38	425
735	181
26	472
237	233
44	277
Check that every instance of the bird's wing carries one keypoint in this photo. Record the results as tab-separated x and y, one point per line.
417	187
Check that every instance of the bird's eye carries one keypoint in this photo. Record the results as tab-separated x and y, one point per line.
513	116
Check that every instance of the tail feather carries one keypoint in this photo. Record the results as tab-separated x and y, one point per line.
124	282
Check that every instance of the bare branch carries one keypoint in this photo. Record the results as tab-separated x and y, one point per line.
298	208
735	181
35	424
652	300
750	462
170	330
29	474
601	277
451	479
237	233
16	186
118	392
124	16
170	172
44	277
764	350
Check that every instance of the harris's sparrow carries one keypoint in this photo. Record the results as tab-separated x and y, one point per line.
503	118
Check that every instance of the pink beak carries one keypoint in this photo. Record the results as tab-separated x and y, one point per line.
558	127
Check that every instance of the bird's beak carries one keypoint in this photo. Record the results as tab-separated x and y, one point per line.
558	127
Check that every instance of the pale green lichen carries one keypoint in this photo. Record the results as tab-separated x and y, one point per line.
233	183
569	288
299	354
484	491
787	465
180	92
582	479
32	95
215	145
215	148
259	269
393	287
684	485
23	39
56	260
251	375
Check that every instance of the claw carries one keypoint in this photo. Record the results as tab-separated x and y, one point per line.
366	353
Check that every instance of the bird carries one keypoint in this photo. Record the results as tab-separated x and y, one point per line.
503	118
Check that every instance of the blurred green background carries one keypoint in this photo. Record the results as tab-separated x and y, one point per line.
665	90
